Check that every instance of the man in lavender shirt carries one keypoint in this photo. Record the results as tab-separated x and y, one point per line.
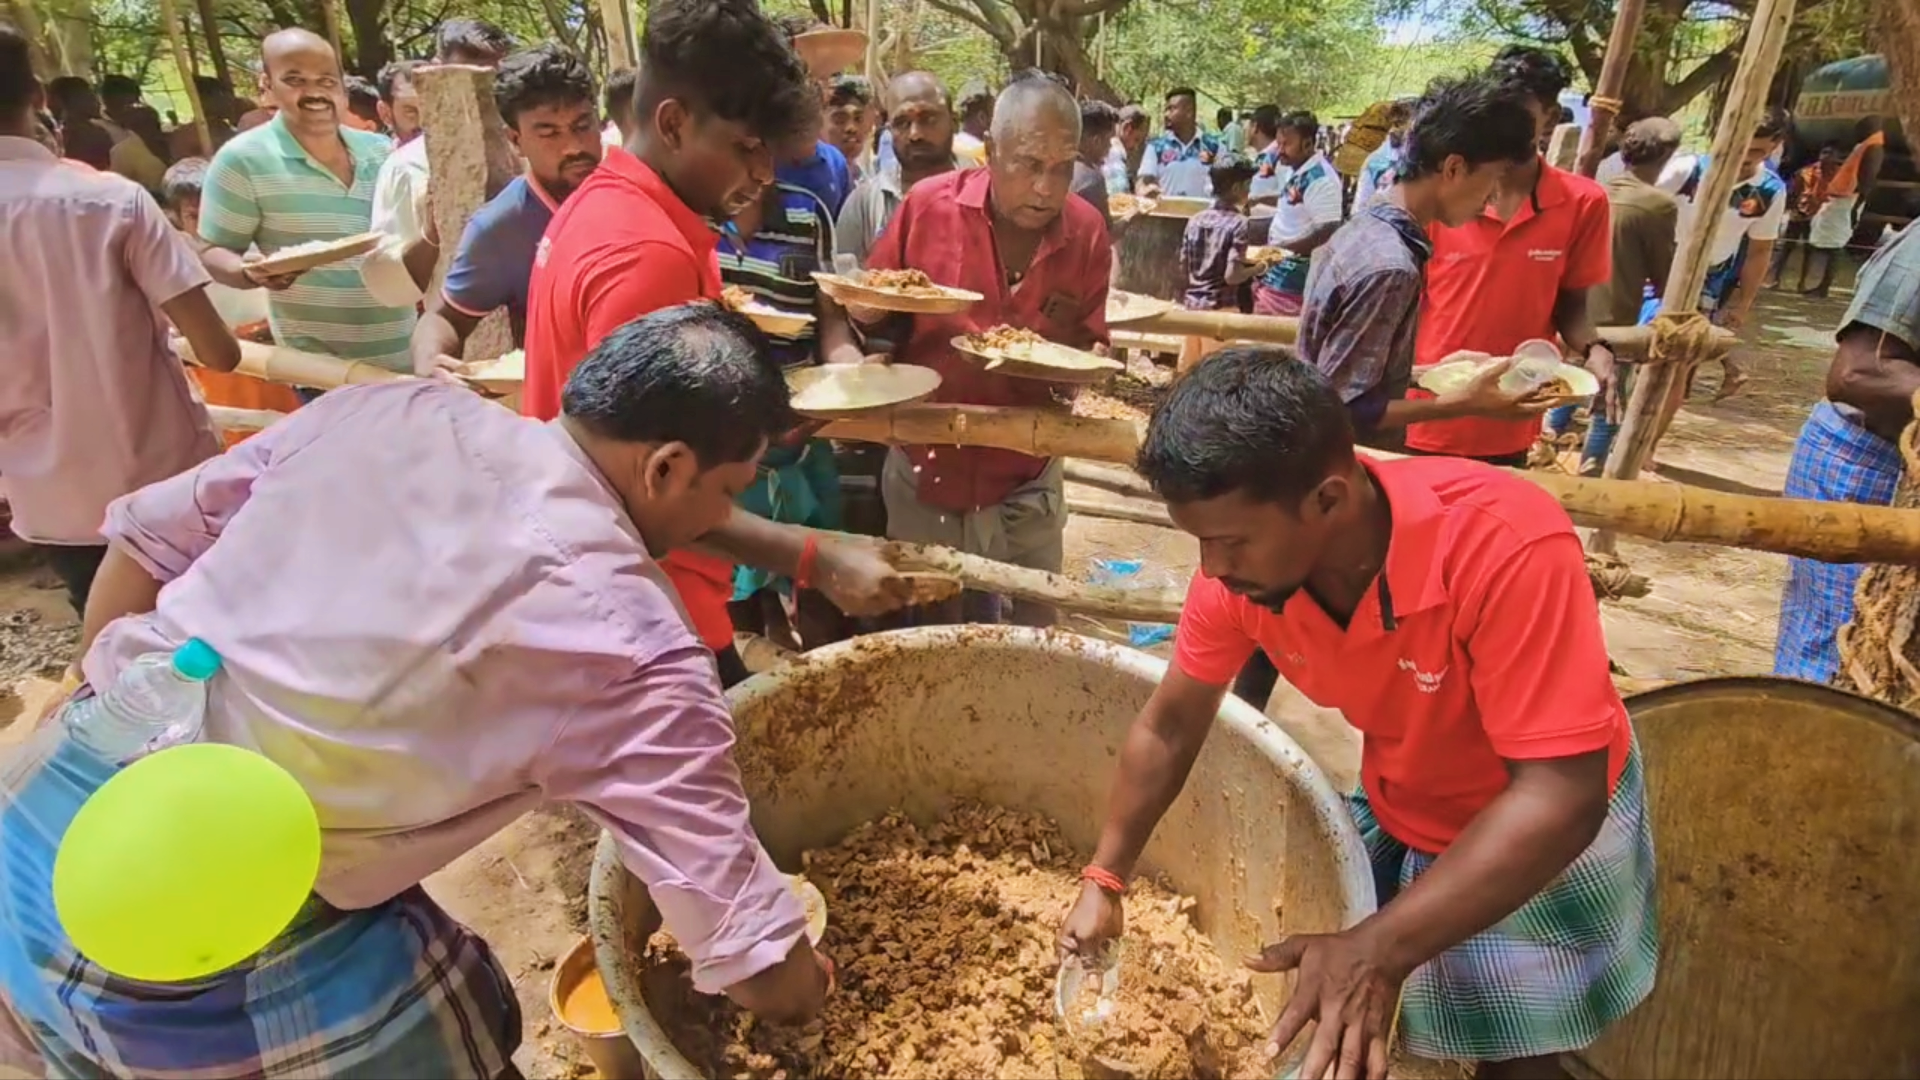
94	403
438	615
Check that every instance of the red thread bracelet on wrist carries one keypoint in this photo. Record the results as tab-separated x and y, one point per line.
1105	879
803	573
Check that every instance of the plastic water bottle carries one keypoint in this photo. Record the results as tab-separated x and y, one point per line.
160	700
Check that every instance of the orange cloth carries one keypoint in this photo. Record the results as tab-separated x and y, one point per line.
238	391
1846	180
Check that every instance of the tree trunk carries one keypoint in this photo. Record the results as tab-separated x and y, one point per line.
215	50
371	52
1063	52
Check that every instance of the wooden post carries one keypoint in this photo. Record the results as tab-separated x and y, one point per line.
1656	382
1605	103
181	60
873	44
470	160
619	31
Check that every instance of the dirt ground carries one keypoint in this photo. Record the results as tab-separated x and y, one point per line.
1713	611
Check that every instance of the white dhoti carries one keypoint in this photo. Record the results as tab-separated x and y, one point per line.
1832	224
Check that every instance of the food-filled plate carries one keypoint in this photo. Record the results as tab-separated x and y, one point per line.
299	258
768	318
1123	205
504	374
1023	354
1265	254
834	391
1176	206
909	291
1127	307
1569	385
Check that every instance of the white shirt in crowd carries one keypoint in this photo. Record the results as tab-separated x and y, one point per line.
1268	186
1672	178
1320	202
400	212
1734	226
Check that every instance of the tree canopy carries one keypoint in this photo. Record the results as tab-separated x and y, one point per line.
1685	48
1328	55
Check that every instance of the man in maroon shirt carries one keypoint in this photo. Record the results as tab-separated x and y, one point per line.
1011	233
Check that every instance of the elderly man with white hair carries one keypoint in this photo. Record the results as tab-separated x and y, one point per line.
1012	233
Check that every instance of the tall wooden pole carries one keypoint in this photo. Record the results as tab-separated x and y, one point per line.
184	62
1605	103
1657	382
873	44
619	29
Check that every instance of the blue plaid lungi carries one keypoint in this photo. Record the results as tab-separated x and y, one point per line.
1552	976
1834	460
397	991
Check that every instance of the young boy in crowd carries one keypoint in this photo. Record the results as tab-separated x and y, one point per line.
1213	252
244	312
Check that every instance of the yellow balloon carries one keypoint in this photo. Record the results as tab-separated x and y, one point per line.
186	863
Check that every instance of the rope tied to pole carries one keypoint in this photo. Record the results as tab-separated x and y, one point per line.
1610	104
1879	650
1685	337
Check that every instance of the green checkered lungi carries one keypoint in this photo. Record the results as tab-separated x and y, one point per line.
1553	975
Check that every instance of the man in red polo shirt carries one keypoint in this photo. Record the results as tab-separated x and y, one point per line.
1444	608
721	95
1519	271
1012	233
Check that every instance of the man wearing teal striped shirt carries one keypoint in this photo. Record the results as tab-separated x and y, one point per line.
300	177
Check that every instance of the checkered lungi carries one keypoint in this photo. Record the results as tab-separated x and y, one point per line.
1552	976
398	991
1834	460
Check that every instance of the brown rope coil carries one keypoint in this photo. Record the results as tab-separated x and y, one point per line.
1879	651
1681	338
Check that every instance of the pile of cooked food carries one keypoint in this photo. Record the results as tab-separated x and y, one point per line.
944	937
735	298
1002	338
905	282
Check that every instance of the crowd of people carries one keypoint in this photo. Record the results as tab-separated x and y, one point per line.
436	614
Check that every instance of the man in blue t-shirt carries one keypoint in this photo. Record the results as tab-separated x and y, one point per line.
826	174
547	99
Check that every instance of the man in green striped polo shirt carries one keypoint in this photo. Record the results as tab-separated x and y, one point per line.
300	177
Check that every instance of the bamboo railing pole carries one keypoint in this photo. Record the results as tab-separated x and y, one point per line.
1654	384
1627	342
184	63
230	418
1041	432
1605	103
1224	325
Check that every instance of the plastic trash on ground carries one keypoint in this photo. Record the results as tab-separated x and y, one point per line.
1132	574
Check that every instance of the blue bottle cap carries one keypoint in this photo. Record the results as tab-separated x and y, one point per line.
196	660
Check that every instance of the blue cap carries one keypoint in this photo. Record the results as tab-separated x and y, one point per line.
196	660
